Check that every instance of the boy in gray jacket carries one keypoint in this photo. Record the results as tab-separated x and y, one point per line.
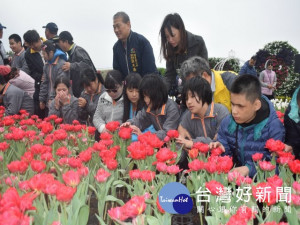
54	60
204	117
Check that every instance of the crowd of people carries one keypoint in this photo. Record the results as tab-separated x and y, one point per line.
221	108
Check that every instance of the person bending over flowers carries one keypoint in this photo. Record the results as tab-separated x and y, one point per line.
160	111
252	122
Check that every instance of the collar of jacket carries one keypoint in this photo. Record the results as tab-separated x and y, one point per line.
33	51
257	128
108	98
162	110
127	40
17	54
3	91
208	114
71	49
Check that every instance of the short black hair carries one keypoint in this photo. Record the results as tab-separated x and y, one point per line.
254	57
112	79
132	81
123	15
248	85
16	38
62	80
31	36
198	86
48	46
89	75
153	86
66	36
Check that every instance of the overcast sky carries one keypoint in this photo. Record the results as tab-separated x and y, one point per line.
243	26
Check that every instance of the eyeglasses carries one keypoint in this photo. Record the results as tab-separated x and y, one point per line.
112	90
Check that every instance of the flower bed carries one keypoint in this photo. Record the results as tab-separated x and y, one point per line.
49	171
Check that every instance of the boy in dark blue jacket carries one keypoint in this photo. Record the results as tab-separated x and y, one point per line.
252	122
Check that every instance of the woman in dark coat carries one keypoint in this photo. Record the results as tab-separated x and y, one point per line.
177	45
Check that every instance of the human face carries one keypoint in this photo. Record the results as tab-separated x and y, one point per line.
147	100
175	39
62	88
133	95
270	67
243	110
121	29
47	33
252	62
36	46
116	92
194	104
16	47
47	56
1	33
92	88
64	45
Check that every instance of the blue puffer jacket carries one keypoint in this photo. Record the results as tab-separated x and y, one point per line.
137	57
250	139
247	69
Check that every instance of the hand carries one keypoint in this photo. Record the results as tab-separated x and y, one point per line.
81	102
243	170
57	102
66	66
42	105
185	142
217	144
270	86
64	98
184	133
288	148
43	78
135	130
126	124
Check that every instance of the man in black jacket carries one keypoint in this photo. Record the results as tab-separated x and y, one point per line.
132	52
78	61
35	64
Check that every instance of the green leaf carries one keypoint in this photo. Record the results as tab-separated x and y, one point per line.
83	215
114	199
101	221
151	220
211	220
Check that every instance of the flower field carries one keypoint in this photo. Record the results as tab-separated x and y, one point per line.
50	172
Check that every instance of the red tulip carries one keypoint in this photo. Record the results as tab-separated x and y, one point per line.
102	175
125	133
295	166
112	126
173	134
71	178
215	187
266	166
4	146
37	165
257	156
274	146
65	193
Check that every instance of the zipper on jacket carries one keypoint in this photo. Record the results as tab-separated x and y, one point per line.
126	58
